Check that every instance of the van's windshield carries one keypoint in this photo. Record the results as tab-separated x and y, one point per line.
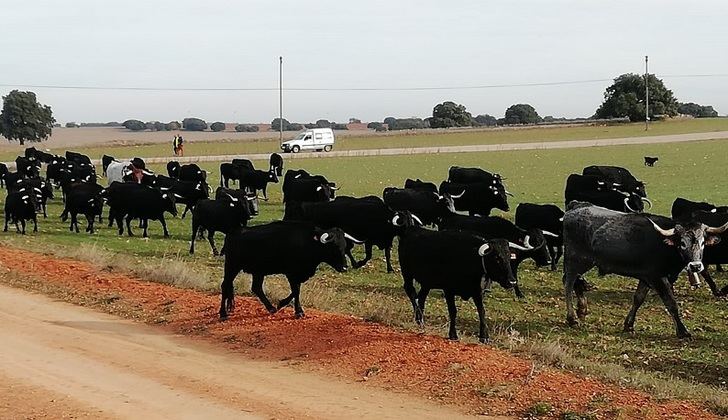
300	136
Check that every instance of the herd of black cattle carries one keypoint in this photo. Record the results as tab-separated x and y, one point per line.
604	227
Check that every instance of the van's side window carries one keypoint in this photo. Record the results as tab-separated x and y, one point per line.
319	136
308	137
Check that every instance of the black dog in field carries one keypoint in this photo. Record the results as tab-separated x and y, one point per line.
650	161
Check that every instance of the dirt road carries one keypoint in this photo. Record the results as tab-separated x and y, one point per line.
60	360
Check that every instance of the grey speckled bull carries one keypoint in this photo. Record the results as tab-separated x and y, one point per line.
649	248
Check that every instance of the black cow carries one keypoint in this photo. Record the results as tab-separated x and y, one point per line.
39	155
78	158
45	189
219	215
185	192
299	174
652	249
417	184
27	167
3	173
301	187
106	161
258	180
21	206
596	190
173	168
650	161
523	244
192	172
80	171
426	207
276	163
550	220
460	175
365	220
83	198
55	170
294	249
620	179
455	262
717	254
244	164
229	172
682	209
137	201
243	195
12	179
478	198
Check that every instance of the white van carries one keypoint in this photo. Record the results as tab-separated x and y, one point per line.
317	139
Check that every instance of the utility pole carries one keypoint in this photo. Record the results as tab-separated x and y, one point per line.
280	99
647	96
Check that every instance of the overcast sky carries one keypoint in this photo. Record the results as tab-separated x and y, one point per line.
353	44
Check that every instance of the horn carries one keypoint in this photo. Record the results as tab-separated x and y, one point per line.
626	204
670	232
324	238
459	195
178	196
334	188
518	247
547	233
647	200
483	249
418	220
508	193
527	242
561	219
395	220
720	229
353	239
231	197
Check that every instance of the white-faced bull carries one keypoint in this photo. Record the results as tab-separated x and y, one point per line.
649	248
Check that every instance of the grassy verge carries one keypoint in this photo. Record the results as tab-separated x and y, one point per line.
652	358
407	139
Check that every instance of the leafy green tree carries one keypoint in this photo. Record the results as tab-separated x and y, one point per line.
294	127
246	128
521	114
390	121
408	124
450	114
72	125
323	124
217	126
486	120
353	120
24	119
626	98
134	125
275	125
697	111
376	125
173	126
194	124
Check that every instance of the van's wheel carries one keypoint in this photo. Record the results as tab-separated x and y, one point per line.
327	148
295	149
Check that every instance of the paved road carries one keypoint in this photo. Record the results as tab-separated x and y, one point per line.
60	360
543	145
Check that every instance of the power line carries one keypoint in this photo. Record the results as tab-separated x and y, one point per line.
338	89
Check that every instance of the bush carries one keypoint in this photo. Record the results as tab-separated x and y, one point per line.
275	125
486	120
407	124
323	124
294	127
173	126
522	114
72	125
697	111
336	126
354	120
376	125
217	126
194	124
390	121
450	114
134	125
246	128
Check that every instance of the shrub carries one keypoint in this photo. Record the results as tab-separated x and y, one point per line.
275	125
217	126
246	128
323	124
72	125
336	126
697	111
173	126
522	114
294	127
407	124
376	125
134	125
194	124
450	114
486	120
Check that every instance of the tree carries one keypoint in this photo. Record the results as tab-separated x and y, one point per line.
323	124
407	124
173	126
390	121
72	125
24	119
626	98
521	114
486	120
134	125
194	124
450	114
697	111
353	120
246	128
275	125
376	125
217	126
294	127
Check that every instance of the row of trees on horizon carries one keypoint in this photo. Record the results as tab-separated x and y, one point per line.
23	118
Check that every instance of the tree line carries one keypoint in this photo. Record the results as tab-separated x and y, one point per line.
23	118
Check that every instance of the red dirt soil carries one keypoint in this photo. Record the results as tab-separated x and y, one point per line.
479	378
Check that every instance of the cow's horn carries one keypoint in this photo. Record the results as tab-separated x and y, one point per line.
626	204
526	241
483	249
547	233
417	219
719	229
353	239
334	188
178	196
231	197
395	220
324	237
647	200
457	196
665	232
518	247
508	193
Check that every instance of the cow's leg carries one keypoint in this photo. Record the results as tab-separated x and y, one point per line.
388	257
187	208
45	215
482	328
719	268
569	280
74	221
227	289
7	217
265	192
639	297
664	290
409	289
211	239
559	253
112	217
514	267
349	254
257	289
119	224
296	291
580	288
708	279
90	218
164	226
128	225
195	228
452	311
22	223
421	299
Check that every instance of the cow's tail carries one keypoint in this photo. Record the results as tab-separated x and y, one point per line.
64	215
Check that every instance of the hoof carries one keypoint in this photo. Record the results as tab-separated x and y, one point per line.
484	340
224	318
453	338
572	322
300	315
272	310
684	335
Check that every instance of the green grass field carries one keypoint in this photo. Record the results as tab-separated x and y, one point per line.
410	139
692	170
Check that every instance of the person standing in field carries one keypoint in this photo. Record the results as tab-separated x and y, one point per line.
174	145
180	148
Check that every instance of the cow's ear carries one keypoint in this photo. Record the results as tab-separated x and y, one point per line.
669	241
712	240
